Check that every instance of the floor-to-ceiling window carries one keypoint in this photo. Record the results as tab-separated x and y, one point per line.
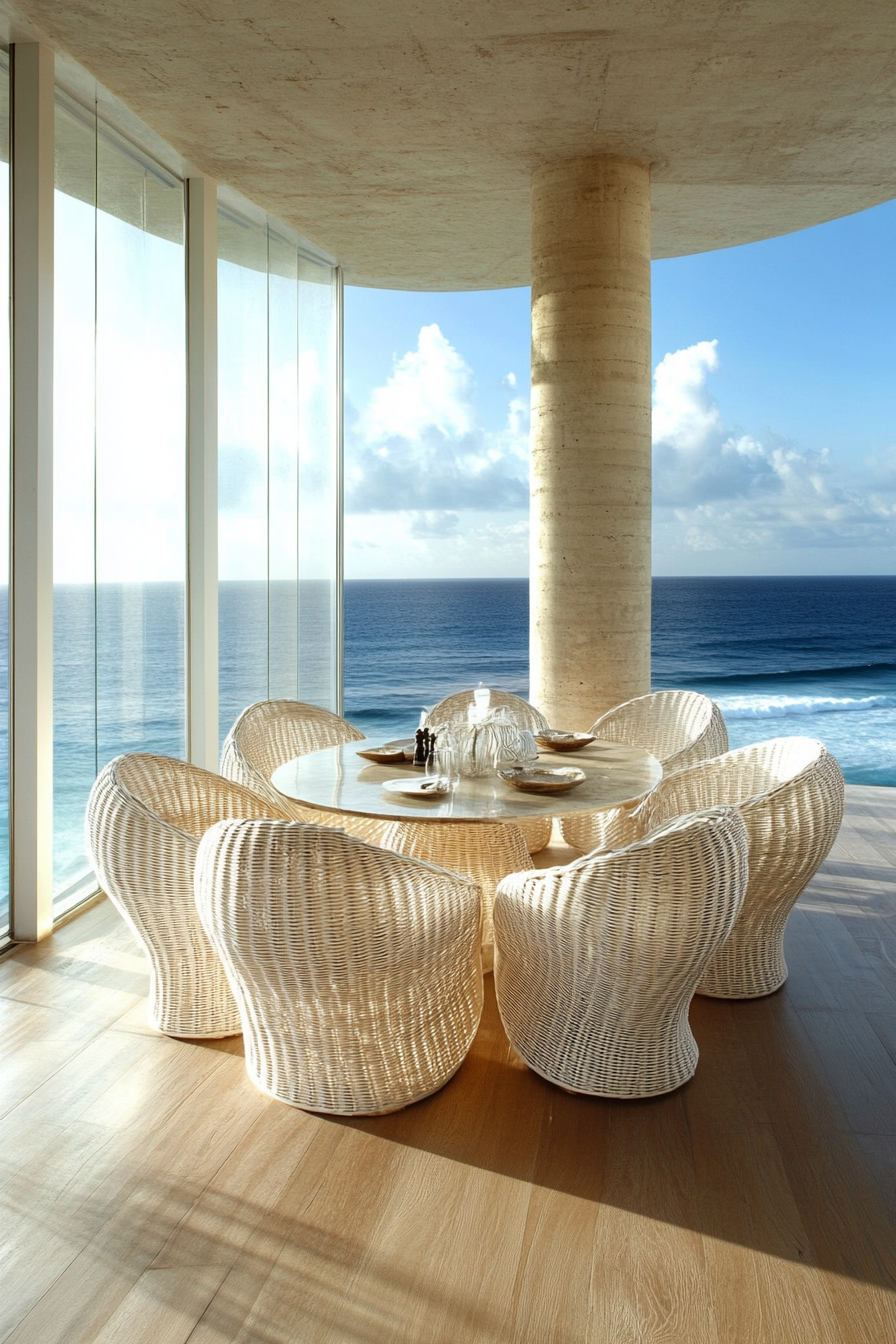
278	465
119	467
120	479
4	497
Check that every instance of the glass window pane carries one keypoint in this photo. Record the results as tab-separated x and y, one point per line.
140	457
74	503
284	466
318	481
278	459
242	464
119	468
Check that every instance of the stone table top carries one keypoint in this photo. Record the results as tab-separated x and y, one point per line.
337	779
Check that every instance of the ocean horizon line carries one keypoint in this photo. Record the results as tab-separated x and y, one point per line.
524	578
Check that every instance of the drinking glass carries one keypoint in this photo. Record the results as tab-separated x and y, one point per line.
443	763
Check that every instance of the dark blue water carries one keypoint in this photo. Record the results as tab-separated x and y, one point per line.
813	656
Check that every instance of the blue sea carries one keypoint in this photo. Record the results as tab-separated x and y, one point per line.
812	656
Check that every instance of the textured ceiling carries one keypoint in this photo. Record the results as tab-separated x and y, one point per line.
401	136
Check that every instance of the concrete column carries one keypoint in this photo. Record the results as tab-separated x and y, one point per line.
591	378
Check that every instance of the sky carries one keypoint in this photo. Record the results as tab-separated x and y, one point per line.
774	420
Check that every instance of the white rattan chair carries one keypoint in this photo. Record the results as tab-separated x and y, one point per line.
597	962
453	709
145	818
790	794
356	970
679	728
272	732
484	852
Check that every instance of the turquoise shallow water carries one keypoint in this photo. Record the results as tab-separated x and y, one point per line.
782	656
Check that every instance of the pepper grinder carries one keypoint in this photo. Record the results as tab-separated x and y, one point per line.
420	746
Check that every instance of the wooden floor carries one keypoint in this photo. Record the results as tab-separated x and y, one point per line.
150	1195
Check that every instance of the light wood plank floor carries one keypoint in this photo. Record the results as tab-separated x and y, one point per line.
151	1196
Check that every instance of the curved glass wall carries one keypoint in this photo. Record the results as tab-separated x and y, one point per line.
278	465
119	468
120	475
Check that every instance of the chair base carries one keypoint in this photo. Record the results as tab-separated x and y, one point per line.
740	993
676	1077
745	968
194	1036
351	1113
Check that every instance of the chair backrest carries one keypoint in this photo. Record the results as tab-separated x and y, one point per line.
454	708
271	732
596	959
747	776
184	795
678	727
354	967
145	817
789	791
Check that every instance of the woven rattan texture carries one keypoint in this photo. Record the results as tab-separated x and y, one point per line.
790	794
272	732
482	852
145	818
679	728
356	971
596	963
453	709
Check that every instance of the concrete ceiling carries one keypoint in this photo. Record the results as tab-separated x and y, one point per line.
400	136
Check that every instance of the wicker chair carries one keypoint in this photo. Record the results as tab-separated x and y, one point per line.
356	971
790	794
678	727
453	709
597	962
271	732
484	852
145	818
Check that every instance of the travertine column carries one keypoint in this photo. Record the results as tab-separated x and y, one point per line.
590	589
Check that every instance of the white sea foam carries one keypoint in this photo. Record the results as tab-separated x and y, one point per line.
785	706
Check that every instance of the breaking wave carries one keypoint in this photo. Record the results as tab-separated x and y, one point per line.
786	706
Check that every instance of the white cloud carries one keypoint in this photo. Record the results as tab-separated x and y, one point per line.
429	388
695	457
716	489
418	446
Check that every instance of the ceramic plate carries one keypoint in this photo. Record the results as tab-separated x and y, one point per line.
390	752
541	779
417	788
383	755
552	740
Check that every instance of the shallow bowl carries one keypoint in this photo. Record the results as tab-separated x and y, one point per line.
552	740
542	779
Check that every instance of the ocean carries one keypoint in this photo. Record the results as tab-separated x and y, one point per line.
808	656
813	656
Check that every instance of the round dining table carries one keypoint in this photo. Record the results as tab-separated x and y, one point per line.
471	830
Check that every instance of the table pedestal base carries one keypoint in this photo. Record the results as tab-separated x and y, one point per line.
482	851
